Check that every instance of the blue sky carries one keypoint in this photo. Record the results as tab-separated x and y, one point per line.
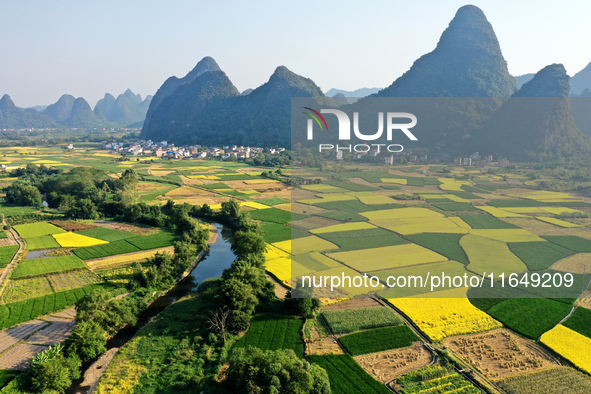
87	48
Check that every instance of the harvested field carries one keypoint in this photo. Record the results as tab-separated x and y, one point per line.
19	357
11	336
72	226
584	300
17	290
73	280
577	264
69	313
388	365
557	380
499	354
130	228
314	222
322	345
57	332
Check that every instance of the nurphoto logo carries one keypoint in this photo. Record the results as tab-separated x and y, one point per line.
391	124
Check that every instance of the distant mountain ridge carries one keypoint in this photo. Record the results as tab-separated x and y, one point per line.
362	92
73	112
210	110
12	117
127	109
581	80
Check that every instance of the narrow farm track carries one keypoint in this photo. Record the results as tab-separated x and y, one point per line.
12	234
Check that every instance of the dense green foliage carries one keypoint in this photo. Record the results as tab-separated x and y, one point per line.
349	320
257	371
378	340
435	379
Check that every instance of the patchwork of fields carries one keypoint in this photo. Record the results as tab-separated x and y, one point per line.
413	221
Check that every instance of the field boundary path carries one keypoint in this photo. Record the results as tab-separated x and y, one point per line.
10	267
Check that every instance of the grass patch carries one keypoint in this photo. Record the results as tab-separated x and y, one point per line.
342	216
6	254
48	265
530	316
272	201
3	235
38	229
272	332
275	215
571	242
579	322
44	242
447	245
363	239
349	320
346	376
105	250
154	241
378	340
106	234
485	221
539	255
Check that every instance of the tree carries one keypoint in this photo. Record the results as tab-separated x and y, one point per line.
21	194
82	209
88	341
230	211
219	321
252	370
247	242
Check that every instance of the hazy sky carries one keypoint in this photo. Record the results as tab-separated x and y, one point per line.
86	48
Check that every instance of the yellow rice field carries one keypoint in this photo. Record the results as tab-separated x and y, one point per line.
125	259
487	255
254	204
387	257
260	181
400	213
500	213
405	226
343	227
508	235
557	222
452	184
73	240
305	245
394	180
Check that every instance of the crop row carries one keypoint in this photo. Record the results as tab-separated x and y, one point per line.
349	320
22	311
6	254
48	265
270	332
346	376
378	340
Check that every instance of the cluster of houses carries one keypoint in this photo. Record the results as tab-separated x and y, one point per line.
166	150
475	160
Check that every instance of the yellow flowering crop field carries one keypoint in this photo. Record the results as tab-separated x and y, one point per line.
508	235
557	222
485	253
73	240
500	213
569	344
440	318
343	227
